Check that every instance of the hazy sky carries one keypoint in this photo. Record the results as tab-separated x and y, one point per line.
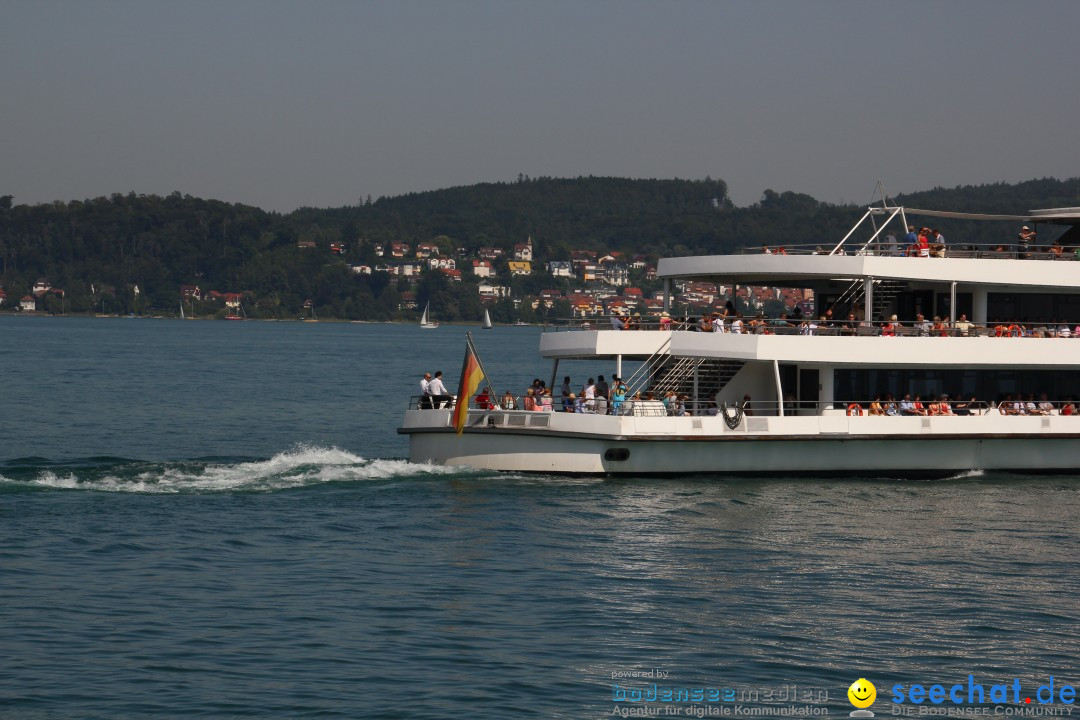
284	104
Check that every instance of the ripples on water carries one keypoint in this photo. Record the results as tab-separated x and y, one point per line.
316	580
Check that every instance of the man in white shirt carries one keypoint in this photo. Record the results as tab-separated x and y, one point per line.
425	391
437	391
590	396
964	326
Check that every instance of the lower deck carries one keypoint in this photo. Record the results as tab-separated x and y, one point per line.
830	443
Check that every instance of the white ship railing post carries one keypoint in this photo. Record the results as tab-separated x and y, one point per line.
779	388
978	305
952	304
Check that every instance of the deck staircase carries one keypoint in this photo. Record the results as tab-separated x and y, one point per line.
885	292
713	375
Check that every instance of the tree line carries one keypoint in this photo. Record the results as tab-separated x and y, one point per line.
99	249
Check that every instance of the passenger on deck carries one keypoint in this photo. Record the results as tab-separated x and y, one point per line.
944	407
922	326
425	391
530	400
508	400
911	240
603	392
1069	408
850	326
665	321
483	400
964	326
923	243
875	407
920	409
939	329
1045	406
616	323
564	391
1063	330
589	395
618	395
718	323
888	329
906	406
737	324
964	407
890	406
545	401
1024	241
438	391
747	406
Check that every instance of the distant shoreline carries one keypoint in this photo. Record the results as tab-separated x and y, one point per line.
99	316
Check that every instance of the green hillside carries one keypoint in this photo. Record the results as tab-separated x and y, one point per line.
98	250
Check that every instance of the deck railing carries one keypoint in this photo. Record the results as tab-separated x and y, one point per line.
766	408
766	326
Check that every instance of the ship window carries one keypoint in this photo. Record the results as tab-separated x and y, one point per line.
616	454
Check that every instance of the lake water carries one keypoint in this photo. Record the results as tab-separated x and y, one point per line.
211	519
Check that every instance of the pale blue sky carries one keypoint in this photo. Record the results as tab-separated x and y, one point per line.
282	104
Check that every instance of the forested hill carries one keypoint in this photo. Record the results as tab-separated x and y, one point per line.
97	250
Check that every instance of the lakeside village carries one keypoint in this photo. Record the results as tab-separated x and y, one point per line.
589	284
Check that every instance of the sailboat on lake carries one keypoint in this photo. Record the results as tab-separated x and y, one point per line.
487	320
424	322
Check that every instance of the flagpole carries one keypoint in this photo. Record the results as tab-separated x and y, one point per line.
487	378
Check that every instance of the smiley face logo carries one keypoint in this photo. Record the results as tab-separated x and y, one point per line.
862	693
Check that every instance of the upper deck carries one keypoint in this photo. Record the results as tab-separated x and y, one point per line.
810	270
877	249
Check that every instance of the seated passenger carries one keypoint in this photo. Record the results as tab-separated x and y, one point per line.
964	407
875	406
890	405
906	406
922	326
665	321
1045	407
920	409
889	328
943	406
530	400
1069	408
507	401
939	329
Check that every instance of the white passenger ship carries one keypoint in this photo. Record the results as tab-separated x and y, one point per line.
807	383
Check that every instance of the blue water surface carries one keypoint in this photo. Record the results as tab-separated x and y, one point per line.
210	519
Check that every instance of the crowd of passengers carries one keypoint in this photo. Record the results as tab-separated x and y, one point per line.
930	243
945	405
595	397
731	321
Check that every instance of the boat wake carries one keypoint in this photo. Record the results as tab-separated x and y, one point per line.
301	467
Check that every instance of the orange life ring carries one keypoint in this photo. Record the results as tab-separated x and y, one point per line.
854	409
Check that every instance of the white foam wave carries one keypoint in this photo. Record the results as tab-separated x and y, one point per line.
968	474
297	468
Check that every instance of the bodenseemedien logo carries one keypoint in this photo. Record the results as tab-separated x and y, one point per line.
862	694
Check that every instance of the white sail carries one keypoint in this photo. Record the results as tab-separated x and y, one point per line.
182	311
487	320
424	323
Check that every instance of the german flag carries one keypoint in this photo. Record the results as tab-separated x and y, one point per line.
471	374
